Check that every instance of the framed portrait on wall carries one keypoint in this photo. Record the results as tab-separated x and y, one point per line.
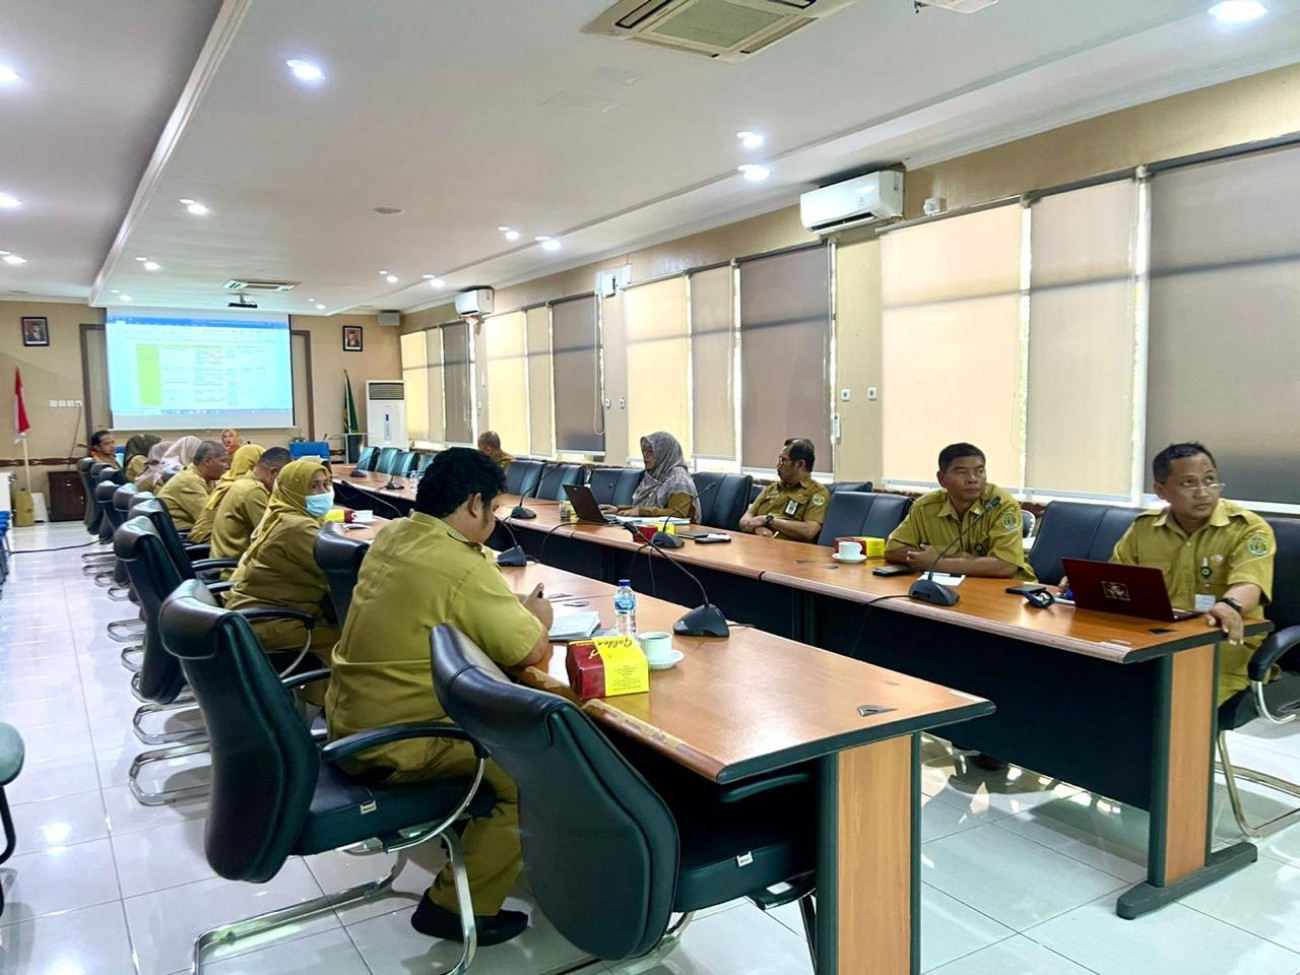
36	331
352	338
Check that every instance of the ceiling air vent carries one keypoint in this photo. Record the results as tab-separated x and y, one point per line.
260	286
726	30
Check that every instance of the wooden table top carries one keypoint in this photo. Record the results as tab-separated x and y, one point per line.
710	714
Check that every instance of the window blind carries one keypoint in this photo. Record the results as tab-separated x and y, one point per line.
433	379
457	375
507	382
713	344
658	361
415	384
579	414
540	414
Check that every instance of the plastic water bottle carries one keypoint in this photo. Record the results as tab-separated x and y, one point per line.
625	609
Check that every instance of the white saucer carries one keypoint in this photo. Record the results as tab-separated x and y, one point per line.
848	559
674	658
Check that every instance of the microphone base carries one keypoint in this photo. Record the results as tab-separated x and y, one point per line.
359	473
665	540
513	557
519	511
929	591
392	486
706	620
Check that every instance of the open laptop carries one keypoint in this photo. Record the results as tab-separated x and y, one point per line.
586	507
1131	590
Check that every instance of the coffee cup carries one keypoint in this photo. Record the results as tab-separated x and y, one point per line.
657	647
850	550
363	516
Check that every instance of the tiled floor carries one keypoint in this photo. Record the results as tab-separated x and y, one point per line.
1021	874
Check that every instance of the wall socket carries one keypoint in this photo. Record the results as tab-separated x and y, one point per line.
846	395
873	393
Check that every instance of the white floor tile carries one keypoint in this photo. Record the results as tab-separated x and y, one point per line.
990	795
1015	956
126	815
1263	899
1103	834
55	777
338	871
65	821
328	953
940	819
740	940
1173	941
950	929
164	924
91	940
166	856
62	879
1010	878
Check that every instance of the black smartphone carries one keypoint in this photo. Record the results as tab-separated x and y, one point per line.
1026	589
892	570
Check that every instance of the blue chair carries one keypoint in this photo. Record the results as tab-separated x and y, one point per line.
614	485
855	513
12	754
554	477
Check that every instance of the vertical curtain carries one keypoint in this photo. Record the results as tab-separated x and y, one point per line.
505	369
658	361
415	384
540	413
434	384
951	343
579	413
785	355
1082	341
713	343
458	379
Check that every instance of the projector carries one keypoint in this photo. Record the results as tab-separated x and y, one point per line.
241	303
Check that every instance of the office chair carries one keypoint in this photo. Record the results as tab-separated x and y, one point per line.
550	486
1075	530
522	476
858	487
1278	701
614	485
12	753
405	464
1027	523
387	458
611	855
276	793
132	628
722	506
367	458
870	515
340	558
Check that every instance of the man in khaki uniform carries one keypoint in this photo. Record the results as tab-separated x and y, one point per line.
990	545
103	448
421	571
793	506
490	443
242	507
1216	556
187	492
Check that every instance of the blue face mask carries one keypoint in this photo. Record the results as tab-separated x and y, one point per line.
318	505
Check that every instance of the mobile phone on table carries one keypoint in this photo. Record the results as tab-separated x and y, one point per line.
892	570
1025	589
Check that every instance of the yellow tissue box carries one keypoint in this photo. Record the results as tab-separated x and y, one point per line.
606	666
335	514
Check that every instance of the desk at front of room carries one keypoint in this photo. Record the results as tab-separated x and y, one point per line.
1120	706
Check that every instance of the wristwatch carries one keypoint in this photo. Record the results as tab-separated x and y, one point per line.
767	521
1233	603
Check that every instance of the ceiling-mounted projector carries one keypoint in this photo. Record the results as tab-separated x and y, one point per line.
243	302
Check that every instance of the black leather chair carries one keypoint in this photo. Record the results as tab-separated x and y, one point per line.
723	505
1278	701
367	459
12	755
1027	522
340	558
522	476
190	560
614	485
405	463
387	459
91	516
611	856
754	491
550	487
276	793
426	460
132	629
1076	530
855	513
859	487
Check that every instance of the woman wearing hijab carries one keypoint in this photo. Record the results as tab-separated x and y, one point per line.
666	487
279	569
137	454
230	440
150	478
244	460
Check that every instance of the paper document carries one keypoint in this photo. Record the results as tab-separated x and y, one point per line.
944	579
575	625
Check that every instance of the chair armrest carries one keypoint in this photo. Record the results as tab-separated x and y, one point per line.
1271	651
306	677
277	613
747	790
219	586
198	550
343	748
203	565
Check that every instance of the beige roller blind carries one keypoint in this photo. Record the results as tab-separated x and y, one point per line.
415	384
1082	341
433	378
506	368
541	421
713	346
658	361
951	343
457	377
579	413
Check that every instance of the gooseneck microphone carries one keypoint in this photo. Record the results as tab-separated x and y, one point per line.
519	510
925	589
705	619
663	538
514	555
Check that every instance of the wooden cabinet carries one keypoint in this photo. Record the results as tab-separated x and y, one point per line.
67	496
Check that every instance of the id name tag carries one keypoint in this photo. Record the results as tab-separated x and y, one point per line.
1204	602
791	508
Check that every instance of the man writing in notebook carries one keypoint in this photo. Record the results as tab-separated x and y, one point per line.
990	535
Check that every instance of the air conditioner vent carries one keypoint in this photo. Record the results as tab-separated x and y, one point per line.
377	389
262	286
726	30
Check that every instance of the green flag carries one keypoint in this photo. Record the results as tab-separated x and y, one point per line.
349	406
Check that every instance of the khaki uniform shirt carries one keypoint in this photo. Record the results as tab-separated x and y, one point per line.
805	502
505	460
135	466
185	495
238	514
1235	546
419	572
934	521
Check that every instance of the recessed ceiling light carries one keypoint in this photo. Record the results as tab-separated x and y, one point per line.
195	207
550	245
126	297
391	278
151	265
113	291
319	306
388	211
9	201
503	229
142	259
14	259
1238	11
304	70
8	75
383	273
437	283
512	235
754	173
750	140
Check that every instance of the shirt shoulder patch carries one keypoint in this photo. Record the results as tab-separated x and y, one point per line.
1010	520
1257	545
818	500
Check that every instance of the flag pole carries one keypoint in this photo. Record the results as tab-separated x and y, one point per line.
27	466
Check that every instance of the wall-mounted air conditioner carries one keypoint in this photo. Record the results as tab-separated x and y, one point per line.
866	199
386	413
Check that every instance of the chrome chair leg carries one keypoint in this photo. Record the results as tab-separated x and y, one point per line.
808	913
119	594
669	943
166	797
132	657
1230	776
183	737
124	631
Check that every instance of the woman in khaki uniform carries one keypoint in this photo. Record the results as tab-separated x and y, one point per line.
279	568
137	454
244	460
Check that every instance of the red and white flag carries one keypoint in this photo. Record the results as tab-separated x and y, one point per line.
21	426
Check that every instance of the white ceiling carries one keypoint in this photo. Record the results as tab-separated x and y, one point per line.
473	115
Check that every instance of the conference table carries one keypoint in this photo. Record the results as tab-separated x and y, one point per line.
754	703
1120	706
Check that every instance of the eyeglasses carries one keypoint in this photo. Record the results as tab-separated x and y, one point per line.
1195	487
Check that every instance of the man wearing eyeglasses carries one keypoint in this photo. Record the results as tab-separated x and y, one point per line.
1216	556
